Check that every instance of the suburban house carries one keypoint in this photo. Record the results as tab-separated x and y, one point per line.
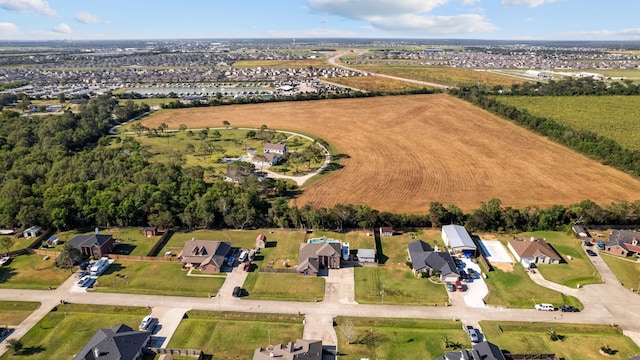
480	351
261	241
386	231
313	257
623	243
425	260
300	350
94	245
367	256
204	255
272	154
150	231
279	149
33	231
458	239
119	343
533	251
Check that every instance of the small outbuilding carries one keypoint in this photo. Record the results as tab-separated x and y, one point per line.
261	241
150	231
458	239
367	256
33	231
386	231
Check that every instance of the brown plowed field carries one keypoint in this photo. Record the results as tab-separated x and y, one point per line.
405	152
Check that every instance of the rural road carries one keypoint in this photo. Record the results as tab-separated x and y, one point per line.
603	305
334	61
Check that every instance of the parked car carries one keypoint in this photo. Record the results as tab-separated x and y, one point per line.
243	256
473	334
236	291
450	287
568	308
148	323
459	286
81	274
545	307
86	281
591	252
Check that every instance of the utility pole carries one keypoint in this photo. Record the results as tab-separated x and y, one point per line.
382	293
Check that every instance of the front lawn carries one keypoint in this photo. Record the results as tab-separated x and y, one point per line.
290	287
397	338
234	335
13	313
579	341
400	287
625	269
31	272
515	289
62	333
574	271
156	278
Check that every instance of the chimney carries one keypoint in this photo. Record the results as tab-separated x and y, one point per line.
270	354
96	353
533	239
97	230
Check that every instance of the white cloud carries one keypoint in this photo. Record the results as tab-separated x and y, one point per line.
89	18
529	3
405	16
470	2
310	33
28	6
61	29
356	9
458	24
7	28
624	34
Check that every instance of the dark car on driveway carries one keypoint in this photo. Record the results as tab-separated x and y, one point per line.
568	308
591	252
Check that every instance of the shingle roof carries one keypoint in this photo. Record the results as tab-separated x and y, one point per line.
204	252
90	240
310	251
423	257
119	343
529	248
300	350
624	239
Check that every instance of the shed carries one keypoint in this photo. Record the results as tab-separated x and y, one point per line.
386	231
33	231
261	241
150	231
366	255
458	239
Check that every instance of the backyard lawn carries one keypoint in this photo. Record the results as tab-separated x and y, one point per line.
579	341
13	313
625	269
578	270
515	289
394	248
397	338
399	285
156	278
62	333
31	272
234	335
129	241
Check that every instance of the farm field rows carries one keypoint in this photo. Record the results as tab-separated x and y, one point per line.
615	117
403	152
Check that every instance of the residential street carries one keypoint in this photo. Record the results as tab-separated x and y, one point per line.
607	303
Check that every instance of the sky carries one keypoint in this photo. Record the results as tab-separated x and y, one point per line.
421	19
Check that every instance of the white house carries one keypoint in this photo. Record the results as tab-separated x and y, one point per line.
458	239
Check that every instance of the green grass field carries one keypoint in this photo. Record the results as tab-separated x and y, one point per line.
394	248
356	239
580	342
397	338
129	241
612	116
442	75
287	287
62	333
13	313
234	335
626	269
579	270
156	278
31	272
515	289
400	287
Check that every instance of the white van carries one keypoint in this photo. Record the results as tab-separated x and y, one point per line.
545	307
243	256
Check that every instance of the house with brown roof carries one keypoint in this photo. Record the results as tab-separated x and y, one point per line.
314	257
204	255
533	251
300	350
623	243
386	231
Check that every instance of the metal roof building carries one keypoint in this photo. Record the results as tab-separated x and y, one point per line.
457	238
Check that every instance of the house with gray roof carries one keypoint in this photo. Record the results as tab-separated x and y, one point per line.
480	351
314	257
300	350
94	245
119	343
425	260
204	255
623	243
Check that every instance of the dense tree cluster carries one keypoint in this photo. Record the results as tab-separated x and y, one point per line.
570	86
